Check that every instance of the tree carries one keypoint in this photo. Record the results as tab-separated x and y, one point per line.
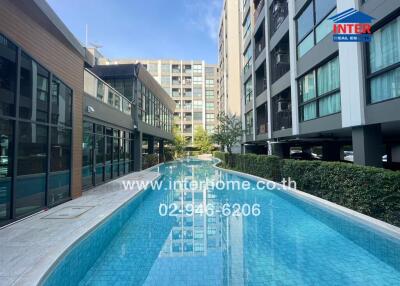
228	132
179	143
202	140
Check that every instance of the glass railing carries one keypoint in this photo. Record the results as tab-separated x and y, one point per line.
96	87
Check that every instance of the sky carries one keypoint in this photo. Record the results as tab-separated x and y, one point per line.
145	29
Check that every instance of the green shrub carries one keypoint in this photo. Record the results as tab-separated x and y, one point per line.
371	191
150	160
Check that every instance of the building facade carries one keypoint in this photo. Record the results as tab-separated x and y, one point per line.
303	90
62	127
229	60
193	85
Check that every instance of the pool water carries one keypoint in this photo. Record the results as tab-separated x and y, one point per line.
290	242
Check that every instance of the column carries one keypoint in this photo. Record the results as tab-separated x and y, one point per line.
150	145
368	145
161	157
137	151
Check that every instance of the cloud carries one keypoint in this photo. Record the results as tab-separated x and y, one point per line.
204	16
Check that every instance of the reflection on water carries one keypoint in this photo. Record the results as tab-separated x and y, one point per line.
285	245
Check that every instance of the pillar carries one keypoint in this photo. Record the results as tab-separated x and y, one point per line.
150	145
137	150
161	151
331	151
368	145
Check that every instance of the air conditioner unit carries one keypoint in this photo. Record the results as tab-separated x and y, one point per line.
283	106
282	58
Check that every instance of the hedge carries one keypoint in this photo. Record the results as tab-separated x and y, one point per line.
368	190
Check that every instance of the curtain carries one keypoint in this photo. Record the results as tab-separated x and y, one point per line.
309	111
385	86
307	87
385	46
328	77
329	104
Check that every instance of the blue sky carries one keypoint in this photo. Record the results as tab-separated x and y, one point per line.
146	29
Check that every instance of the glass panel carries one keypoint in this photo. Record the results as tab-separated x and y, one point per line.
100	90
32	166
6	167
100	150
322	8
328	77
305	22
87	159
385	86
109	146
8	69
384	48
324	28
61	103
116	157
309	111
60	165
34	90
307	87
329	104
305	45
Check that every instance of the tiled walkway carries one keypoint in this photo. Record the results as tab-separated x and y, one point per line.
29	247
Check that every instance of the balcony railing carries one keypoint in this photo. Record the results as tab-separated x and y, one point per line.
110	96
259	47
258	9
279	12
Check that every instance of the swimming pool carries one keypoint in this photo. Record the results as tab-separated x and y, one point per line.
278	239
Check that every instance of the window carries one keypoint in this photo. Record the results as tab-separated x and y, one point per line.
165	68
34	90
313	24
209	106
6	166
246	26
209	94
248	55
319	91
384	63
32	168
61	103
197	68
8	76
176	92
210	83
197	104
197	80
152	68
210	117
198	116
248	89
165	80
60	165
197	92
249	122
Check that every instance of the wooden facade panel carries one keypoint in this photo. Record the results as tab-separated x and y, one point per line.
19	22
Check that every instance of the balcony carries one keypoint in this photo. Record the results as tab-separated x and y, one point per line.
280	60
261	79
187	69
262	119
258	6
278	12
259	41
176	80
282	111
176	69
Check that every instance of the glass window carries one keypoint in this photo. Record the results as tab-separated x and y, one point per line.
249	122
305	22
209	106
246	26
6	166
307	87
60	165
34	90
210	94
328	77
322	8
385	86
197	80
197	116
197	104
384	48
115	156
248	87
197	92
309	111
100	90
305	45
31	168
100	152
8	69
324	28
165	80
87	155
61	103
165	68
329	104
197	68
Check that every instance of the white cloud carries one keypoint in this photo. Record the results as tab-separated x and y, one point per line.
204	15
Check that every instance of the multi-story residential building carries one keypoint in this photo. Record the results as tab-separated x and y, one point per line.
63	128
302	89
229	60
193	85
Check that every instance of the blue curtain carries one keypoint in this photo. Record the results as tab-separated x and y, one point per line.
309	111
328	77
329	104
385	86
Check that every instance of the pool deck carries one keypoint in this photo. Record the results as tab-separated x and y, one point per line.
28	248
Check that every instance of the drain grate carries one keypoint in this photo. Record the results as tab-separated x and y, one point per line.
68	212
